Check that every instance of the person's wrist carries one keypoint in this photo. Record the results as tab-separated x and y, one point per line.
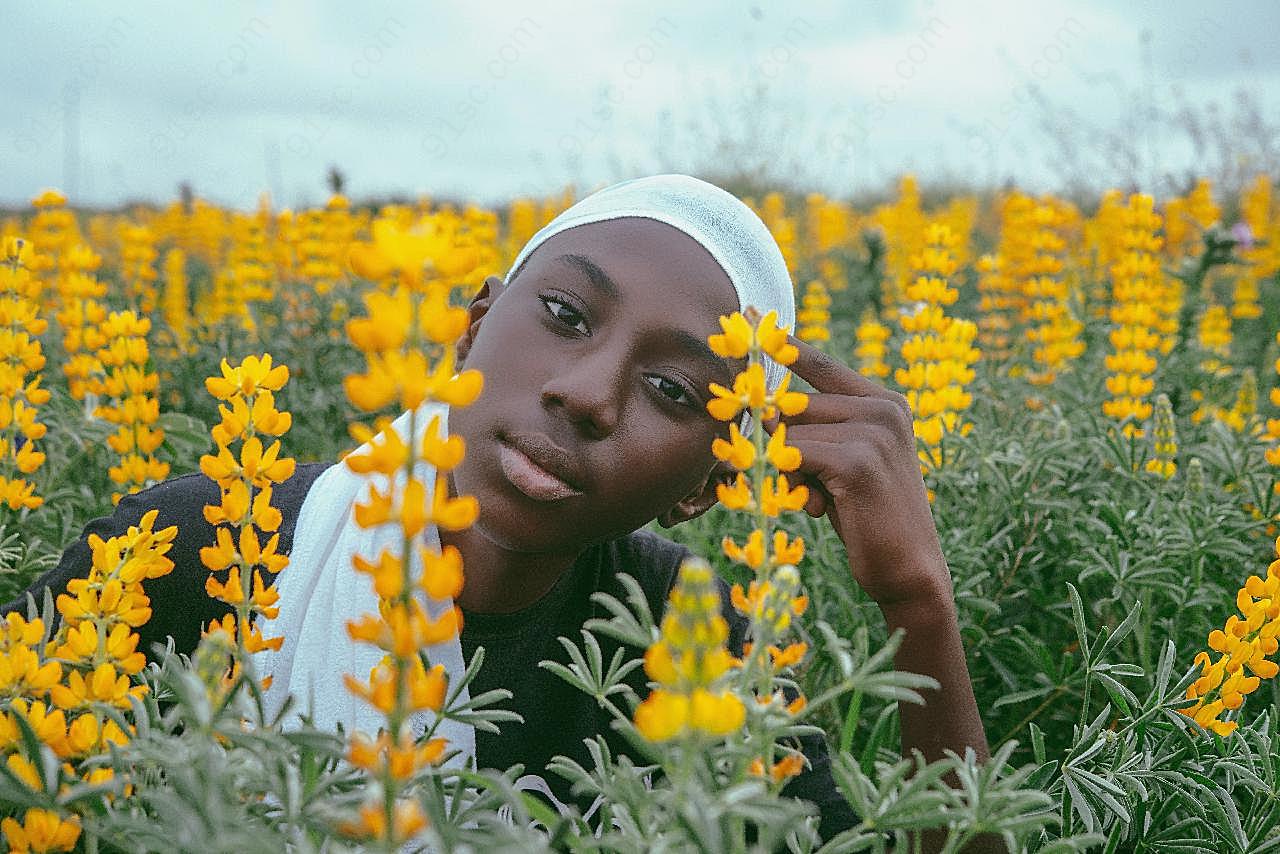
927	600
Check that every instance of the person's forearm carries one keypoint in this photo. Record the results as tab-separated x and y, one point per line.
949	719
932	647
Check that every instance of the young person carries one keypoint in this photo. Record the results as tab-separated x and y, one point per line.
593	423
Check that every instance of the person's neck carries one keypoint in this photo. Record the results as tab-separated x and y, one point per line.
497	580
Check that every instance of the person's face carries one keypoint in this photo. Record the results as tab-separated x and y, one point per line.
595	363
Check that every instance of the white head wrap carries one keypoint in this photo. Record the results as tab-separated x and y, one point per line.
728	229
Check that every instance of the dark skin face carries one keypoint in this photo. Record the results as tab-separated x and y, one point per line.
615	373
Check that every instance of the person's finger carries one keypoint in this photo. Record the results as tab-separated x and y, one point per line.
830	433
816	504
816	458
834	408
826	373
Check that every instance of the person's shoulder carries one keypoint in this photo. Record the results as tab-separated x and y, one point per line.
651	558
186	495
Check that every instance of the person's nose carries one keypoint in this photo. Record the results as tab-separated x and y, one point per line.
589	392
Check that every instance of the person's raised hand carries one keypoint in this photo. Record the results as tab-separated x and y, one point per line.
858	446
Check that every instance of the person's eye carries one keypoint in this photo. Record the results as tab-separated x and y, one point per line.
565	313
673	390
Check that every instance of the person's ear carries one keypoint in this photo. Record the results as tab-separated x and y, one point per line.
699	500
479	307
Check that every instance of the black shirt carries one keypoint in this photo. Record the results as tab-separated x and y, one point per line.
557	716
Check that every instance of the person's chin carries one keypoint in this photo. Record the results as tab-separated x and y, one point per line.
516	521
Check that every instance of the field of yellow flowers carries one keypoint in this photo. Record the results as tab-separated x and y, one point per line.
1097	408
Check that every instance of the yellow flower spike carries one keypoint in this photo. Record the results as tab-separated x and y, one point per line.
738	451
1244	645
409	361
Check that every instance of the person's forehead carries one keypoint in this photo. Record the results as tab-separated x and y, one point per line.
649	257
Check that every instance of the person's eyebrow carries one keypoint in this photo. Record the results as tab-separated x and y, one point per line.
697	348
599	278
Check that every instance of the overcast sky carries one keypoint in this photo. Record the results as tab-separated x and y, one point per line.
114	102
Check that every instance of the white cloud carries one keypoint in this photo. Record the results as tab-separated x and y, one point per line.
488	100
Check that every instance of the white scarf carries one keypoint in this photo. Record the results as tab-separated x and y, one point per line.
320	591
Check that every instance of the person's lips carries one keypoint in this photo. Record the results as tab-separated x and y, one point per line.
539	467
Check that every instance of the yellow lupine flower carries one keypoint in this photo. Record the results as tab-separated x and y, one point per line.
41	830
736	340
21	355
937	349
1243	644
433	246
687	661
245	480
1137	289
131	403
738	496
406	339
783	456
871	336
737	451
814	317
1166	440
749	392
